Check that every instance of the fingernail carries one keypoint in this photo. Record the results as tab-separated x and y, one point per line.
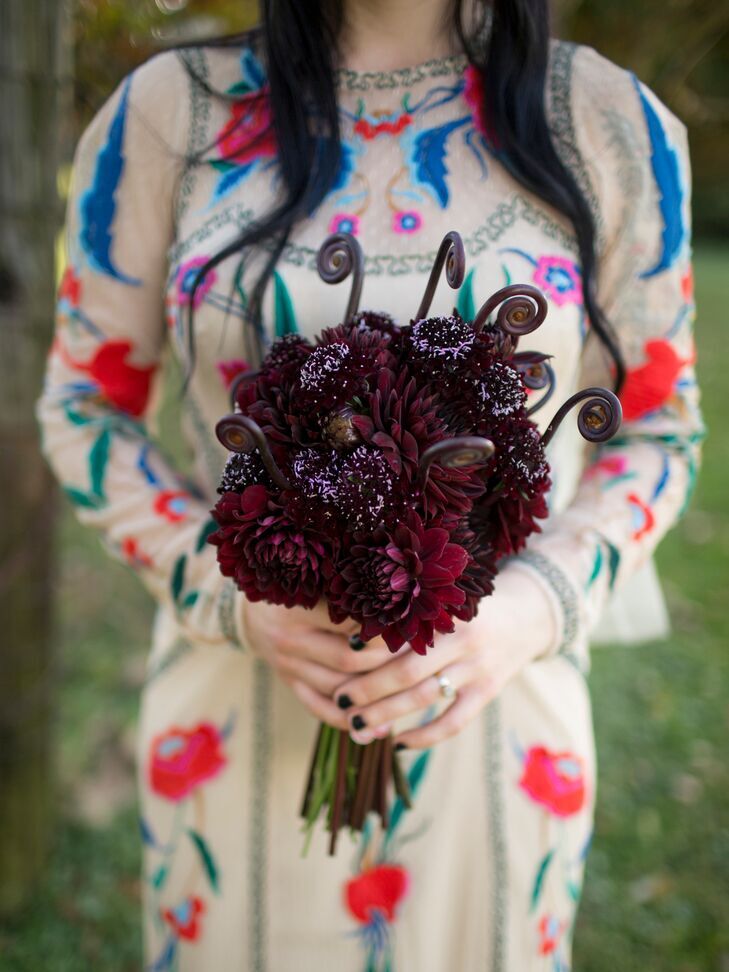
362	738
358	723
356	643
344	701
400	746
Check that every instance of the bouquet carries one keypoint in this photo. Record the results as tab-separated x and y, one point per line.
387	469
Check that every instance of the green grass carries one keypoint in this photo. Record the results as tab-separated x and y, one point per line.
656	889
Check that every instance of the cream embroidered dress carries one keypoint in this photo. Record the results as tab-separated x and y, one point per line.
485	872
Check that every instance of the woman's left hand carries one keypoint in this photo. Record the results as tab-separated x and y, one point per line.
514	626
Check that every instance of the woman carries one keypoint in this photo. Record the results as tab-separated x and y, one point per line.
202	191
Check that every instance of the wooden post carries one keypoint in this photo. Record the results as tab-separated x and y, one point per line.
35	88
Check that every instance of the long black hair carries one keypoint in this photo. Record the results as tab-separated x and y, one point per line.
298	41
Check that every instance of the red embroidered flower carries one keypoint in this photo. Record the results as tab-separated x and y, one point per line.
555	780
687	284
248	135
229	370
550	932
181	759
70	287
172	505
473	95
133	554
124	385
652	384
382	125
184	919
378	889
643	518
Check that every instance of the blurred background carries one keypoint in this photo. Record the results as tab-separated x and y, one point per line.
656	894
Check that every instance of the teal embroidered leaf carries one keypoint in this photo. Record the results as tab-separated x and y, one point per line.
79	498
573	890
98	459
178	578
189	599
415	778
596	567
465	303
284	316
613	562
539	879
160	876
74	417
206	858
210	526
507	275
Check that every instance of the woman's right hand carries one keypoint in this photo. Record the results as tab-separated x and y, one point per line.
310	653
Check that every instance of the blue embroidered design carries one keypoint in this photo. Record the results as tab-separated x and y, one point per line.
98	204
664	161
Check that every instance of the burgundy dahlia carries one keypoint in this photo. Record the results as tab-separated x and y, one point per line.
401	584
268	555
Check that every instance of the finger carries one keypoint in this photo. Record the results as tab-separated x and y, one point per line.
324	709
426	692
333	651
403	672
316	676
466	707
318	617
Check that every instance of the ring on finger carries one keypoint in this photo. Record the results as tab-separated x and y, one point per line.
446	687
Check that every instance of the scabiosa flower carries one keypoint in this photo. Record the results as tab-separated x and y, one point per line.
243	469
331	375
440	344
366	488
401	584
289	349
268	555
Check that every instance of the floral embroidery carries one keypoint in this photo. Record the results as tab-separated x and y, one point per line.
182	759
555	780
381	123
344	223
124	385
377	892
185	918
652	384
185	280
473	94
550	932
229	370
559	278
69	290
612	469
643	518
133	554
406	221
172	505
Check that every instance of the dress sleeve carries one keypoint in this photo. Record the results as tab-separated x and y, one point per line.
103	367
636	486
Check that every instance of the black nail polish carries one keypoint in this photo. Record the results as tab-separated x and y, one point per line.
358	723
400	746
356	643
344	702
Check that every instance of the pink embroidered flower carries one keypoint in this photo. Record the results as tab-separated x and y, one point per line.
172	505
687	285
550	932
184	919
180	760
229	370
559	278
248	134
377	891
344	223
651	385
473	95
185	279
406	221
608	466
643	518
555	780
382	124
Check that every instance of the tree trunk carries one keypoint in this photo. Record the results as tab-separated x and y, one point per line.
35	45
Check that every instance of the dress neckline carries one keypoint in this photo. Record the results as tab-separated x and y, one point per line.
405	77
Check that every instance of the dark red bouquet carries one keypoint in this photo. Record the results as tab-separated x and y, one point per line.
387	469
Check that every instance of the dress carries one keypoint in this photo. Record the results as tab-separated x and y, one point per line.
495	847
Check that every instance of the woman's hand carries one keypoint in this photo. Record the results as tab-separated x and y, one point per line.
513	627
310	653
